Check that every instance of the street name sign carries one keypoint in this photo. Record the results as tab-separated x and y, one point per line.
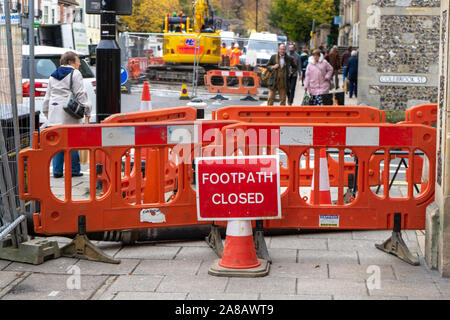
238	188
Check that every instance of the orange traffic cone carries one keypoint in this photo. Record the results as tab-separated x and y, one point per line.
239	255
146	102
324	181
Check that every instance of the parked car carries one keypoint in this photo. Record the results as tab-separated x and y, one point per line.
46	61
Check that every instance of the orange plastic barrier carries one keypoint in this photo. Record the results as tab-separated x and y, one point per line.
301	114
152	207
156	61
211	78
422	114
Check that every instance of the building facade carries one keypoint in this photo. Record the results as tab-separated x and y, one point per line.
349	10
399	53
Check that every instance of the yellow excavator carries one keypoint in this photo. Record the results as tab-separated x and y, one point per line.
184	41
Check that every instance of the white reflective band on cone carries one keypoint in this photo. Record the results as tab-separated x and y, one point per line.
239	228
145	105
324	178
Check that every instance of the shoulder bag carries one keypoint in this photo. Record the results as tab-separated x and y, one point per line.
74	107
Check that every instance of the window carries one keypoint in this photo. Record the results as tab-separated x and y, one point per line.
45	14
53	16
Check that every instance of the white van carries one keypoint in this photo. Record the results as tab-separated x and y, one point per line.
261	46
46	60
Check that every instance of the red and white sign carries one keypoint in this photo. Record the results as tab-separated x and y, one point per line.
238	188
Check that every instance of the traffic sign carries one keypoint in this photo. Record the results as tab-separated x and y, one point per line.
238	188
123	75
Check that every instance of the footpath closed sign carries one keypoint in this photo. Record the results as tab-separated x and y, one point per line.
238	188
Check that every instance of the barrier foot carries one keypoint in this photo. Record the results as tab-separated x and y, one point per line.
82	248
249	98
214	240
396	246
260	242
219	97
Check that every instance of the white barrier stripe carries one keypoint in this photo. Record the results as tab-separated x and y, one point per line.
118	136
239	228
296	136
362	136
324	180
181	134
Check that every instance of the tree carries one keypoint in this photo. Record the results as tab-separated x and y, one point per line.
148	15
295	17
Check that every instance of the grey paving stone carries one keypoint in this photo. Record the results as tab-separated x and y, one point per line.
444	286
222	296
283	255
133	283
54	286
326	235
295	242
322	257
6	277
274	285
4	263
298	270
199	243
126	266
405	272
199	283
346	297
149	296
58	266
196	254
356	271
351	245
269	296
147	251
372	235
331	287
410	288
376	256
167	267
110	248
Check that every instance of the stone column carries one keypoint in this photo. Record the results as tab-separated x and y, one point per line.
438	214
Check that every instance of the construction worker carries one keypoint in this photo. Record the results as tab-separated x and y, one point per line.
224	55
235	54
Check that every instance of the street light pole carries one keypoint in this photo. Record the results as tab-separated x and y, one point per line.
256	24
108	64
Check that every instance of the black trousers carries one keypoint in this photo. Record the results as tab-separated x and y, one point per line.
292	83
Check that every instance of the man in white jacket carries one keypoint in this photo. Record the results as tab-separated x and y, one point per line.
56	98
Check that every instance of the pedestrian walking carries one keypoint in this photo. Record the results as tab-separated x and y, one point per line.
318	75
293	75
335	62
304	63
352	73
282	66
345	56
65	81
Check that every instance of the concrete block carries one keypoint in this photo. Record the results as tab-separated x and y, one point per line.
295	242
199	284
222	296
321	257
147	251
274	285
126	266
298	270
359	272
58	266
332	287
167	267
